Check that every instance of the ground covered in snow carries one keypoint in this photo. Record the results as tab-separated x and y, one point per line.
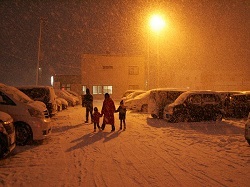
150	152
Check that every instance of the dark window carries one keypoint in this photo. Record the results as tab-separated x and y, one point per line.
107	67
5	100
133	70
195	99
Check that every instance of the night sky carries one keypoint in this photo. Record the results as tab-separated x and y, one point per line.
203	33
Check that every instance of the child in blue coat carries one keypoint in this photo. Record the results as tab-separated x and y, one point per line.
122	114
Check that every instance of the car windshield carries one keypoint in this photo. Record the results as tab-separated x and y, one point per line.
39	94
181	98
18	95
142	95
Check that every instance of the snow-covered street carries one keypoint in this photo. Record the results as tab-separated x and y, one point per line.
149	153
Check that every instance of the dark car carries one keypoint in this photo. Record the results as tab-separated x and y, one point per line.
238	105
247	129
195	106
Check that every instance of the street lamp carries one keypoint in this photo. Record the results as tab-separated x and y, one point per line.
38	53
157	24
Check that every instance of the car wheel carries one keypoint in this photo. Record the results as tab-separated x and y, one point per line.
64	107
179	117
144	108
218	117
23	133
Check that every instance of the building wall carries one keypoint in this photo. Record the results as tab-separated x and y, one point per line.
71	82
120	72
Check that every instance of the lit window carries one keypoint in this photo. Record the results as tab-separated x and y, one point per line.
84	89
65	87
107	89
97	89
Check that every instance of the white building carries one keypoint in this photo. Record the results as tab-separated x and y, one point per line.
112	74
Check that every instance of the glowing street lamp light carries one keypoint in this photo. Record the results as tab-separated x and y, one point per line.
157	23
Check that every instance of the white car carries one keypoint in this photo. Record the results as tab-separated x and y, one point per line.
139	103
7	134
247	129
78	97
133	95
63	102
65	95
127	92
159	98
31	118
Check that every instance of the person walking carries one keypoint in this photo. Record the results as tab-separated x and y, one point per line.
88	103
108	110
122	115
96	118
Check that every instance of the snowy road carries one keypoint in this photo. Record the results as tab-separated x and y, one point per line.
149	153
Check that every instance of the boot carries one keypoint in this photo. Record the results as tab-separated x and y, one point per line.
113	128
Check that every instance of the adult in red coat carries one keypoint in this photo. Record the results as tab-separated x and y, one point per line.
108	110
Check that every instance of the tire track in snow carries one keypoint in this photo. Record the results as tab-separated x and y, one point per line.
173	158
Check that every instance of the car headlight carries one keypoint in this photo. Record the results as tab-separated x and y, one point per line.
35	113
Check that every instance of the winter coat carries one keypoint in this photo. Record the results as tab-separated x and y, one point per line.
108	110
122	111
96	117
88	101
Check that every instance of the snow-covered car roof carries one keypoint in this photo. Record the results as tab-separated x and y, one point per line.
34	86
133	94
127	92
16	94
169	89
184	95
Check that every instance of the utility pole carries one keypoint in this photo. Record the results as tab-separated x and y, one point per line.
38	53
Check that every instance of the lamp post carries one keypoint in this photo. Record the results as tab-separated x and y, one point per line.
157	24
38	53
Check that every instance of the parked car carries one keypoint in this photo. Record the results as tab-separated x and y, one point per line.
31	118
45	94
63	102
159	98
127	92
7	134
247	129
69	98
195	106
139	103
227	94
237	105
78	97
58	104
133	95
